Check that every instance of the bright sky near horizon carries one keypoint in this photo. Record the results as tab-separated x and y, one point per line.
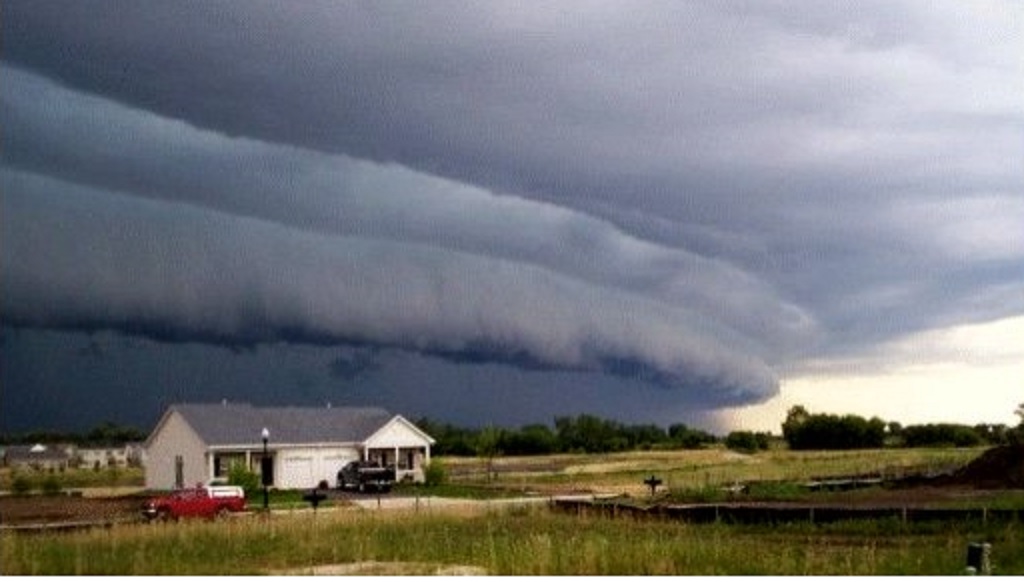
971	374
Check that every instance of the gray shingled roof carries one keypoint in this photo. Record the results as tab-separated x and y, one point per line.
26	453
234	424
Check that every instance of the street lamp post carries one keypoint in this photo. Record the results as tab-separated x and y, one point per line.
264	464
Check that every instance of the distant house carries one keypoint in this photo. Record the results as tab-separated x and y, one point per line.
39	457
193	443
102	457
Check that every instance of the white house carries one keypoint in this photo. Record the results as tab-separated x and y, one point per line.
193	443
39	457
119	456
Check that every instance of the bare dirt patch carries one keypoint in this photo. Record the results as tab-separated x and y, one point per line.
36	509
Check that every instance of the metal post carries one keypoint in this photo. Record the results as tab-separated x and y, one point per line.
979	558
263	466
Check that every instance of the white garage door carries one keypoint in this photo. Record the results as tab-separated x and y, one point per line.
297	473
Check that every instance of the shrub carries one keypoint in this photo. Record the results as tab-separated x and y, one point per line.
746	441
51	485
248	480
21	485
706	494
112	475
435	474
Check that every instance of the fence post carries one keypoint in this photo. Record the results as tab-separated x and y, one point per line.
979	558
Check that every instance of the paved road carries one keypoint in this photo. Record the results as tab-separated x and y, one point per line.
386	502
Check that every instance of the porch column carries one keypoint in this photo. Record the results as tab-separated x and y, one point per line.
209	465
248	460
397	464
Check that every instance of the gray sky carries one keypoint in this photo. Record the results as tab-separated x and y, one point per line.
645	210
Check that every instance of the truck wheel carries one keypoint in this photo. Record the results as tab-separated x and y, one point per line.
163	514
222	513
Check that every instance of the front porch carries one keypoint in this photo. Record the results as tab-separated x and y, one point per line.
220	462
407	461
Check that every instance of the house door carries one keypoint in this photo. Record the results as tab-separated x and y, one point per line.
179	472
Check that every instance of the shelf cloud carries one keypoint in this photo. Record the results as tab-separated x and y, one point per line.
698	198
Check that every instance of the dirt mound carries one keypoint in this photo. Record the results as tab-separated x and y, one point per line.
997	468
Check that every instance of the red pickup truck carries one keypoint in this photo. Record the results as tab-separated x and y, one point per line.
198	502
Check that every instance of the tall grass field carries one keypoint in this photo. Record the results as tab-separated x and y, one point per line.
681	470
510	542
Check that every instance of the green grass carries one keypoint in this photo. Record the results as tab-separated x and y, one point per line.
283	499
458	491
1010	499
73	478
521	542
701	468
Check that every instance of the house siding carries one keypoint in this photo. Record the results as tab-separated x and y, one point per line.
175	438
398	443
396	434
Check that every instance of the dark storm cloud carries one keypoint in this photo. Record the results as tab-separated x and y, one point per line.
692	194
80	258
71	137
354	364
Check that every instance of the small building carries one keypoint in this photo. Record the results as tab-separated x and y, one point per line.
128	454
39	457
194	443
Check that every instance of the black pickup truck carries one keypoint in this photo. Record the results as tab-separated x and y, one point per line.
363	476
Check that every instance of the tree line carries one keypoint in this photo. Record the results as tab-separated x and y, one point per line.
586	433
580	434
801	430
805	431
103	434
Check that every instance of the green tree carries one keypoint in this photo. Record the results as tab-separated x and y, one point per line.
488	446
589	434
746	441
796	417
532	439
109	433
450	439
689	438
804	431
1015	436
941	435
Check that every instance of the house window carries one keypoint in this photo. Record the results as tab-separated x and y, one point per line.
179	472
